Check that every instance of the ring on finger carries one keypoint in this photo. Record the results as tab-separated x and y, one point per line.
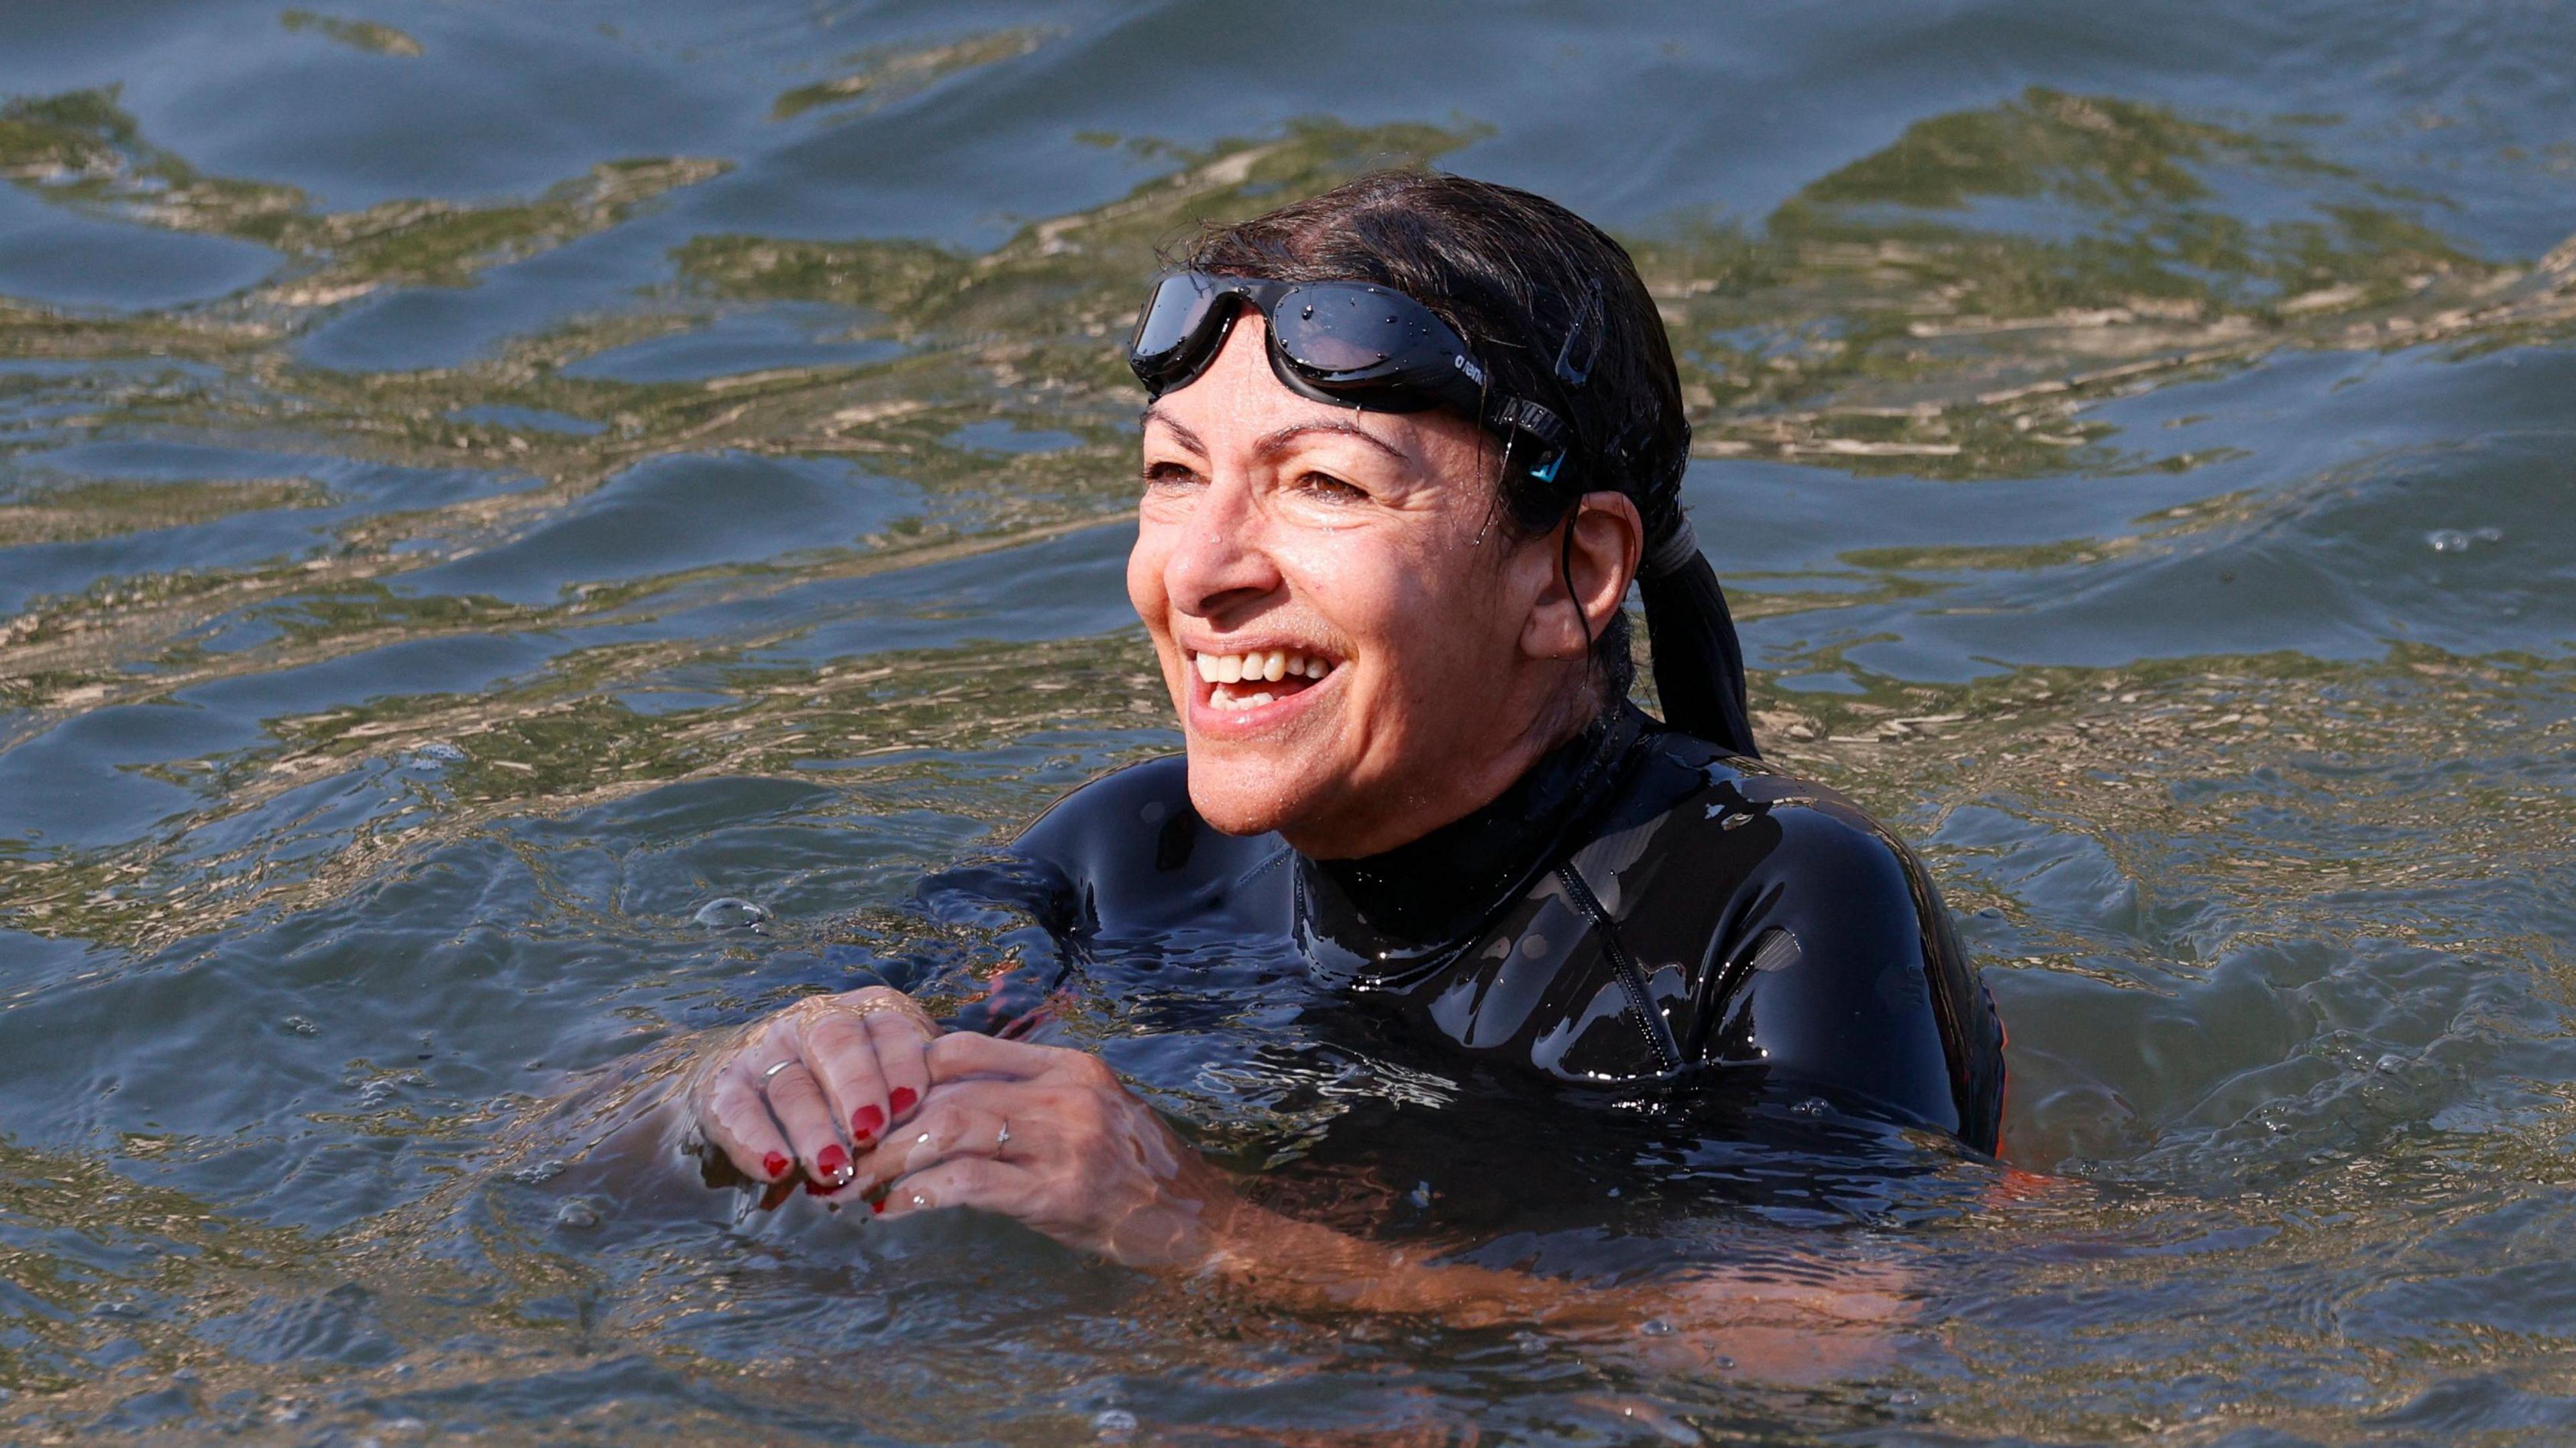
1002	1138
772	1072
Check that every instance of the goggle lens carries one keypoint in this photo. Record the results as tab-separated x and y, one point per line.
1174	318
1342	331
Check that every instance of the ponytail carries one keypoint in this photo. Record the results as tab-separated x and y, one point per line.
1699	664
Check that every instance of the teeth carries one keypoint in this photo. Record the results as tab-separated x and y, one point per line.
1226	699
1259	666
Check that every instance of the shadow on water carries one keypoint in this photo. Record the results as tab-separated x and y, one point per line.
475	488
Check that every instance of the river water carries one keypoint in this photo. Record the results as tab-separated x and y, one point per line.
481	482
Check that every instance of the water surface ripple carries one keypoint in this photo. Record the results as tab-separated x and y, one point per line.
479	484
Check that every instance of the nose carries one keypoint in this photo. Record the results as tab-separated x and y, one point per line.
1218	568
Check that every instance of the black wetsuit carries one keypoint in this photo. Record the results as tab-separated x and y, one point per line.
1641	915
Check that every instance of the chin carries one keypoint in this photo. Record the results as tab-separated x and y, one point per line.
1243	797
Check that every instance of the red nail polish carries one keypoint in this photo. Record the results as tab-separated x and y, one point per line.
817	1189
877	1207
902	1099
774	1165
832	1161
866	1122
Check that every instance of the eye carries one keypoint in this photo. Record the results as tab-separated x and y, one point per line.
1330	489
1165	476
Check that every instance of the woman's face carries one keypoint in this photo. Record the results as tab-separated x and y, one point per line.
1356	655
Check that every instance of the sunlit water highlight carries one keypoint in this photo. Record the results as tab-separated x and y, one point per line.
482	483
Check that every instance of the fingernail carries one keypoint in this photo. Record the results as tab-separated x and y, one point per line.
865	1122
902	1099
774	1165
817	1189
877	1207
833	1163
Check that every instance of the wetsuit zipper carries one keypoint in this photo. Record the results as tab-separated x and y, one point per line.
1659	1036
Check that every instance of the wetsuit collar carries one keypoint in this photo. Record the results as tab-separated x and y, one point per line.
1415	904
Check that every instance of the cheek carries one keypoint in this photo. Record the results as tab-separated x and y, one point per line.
1412	611
1360	584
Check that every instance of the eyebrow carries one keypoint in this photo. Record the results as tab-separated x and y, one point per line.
1271	444
1154	413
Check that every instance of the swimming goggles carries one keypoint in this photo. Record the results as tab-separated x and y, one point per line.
1348	343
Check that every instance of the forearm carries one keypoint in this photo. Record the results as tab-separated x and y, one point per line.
1773	1327
1303	1266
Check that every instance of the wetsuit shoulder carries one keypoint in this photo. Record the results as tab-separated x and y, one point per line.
1140	858
1783	929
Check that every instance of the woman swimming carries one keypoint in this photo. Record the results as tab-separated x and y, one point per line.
1409	443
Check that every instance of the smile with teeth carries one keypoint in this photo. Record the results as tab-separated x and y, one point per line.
1250	680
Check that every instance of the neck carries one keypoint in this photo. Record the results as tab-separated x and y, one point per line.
1420	898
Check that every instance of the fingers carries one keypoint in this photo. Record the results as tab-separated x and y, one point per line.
836	1046
961	1054
796	1083
866	1049
965	1181
902	1046
737	1122
797	1100
949	1127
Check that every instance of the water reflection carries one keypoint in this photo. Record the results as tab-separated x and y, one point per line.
420	598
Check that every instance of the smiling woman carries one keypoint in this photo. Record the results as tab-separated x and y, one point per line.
1409	445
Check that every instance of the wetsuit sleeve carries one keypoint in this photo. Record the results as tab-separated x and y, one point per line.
1843	977
991	940
980	944
1112	855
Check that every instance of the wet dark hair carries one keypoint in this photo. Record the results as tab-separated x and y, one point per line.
1514	274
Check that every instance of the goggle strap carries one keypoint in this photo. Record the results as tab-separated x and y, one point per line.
1519	414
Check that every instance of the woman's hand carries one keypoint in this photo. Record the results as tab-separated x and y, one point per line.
801	1089
1050	1137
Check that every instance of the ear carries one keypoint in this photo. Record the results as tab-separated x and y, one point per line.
1609	539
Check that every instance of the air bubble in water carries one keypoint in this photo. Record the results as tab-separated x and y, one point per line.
730	913
1113	1424
2459	540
